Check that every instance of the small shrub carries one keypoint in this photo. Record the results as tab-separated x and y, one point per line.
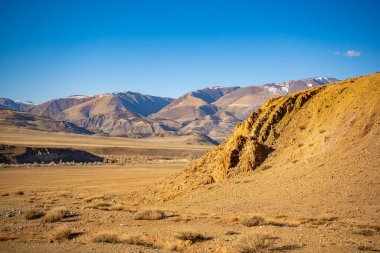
253	221
149	215
106	238
20	193
254	243
63	233
56	214
34	214
191	236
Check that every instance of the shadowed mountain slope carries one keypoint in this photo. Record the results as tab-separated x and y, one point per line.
15	105
118	114
193	105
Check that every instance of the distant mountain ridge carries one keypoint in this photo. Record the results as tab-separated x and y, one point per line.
212	111
288	87
28	120
193	105
15	105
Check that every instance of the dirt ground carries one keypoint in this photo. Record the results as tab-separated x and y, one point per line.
95	199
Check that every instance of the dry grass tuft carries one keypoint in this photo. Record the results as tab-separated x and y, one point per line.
20	193
106	238
92	198
34	214
328	218
138	240
231	233
56	214
149	215
365	232
63	233
191	236
168	243
369	226
6	237
253	221
319	221
254	243
103	204
117	207
367	248
235	219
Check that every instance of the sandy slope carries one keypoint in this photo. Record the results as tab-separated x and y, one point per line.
325	158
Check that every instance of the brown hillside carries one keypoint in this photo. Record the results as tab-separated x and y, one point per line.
321	144
118	114
56	106
193	105
27	120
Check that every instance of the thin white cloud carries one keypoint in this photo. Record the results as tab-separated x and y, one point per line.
352	53
337	53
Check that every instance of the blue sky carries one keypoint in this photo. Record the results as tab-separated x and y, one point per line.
52	49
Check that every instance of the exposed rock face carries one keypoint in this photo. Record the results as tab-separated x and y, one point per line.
119	125
284	125
253	139
19	154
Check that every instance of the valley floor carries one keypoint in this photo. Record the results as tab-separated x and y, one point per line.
95	199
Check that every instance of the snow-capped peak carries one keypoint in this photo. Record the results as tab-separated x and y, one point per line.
79	96
214	87
25	102
296	85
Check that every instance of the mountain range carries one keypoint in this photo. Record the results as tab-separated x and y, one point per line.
213	111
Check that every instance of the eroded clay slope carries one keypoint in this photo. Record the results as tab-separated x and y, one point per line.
287	129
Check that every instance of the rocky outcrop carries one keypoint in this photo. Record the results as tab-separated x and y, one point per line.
19	154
